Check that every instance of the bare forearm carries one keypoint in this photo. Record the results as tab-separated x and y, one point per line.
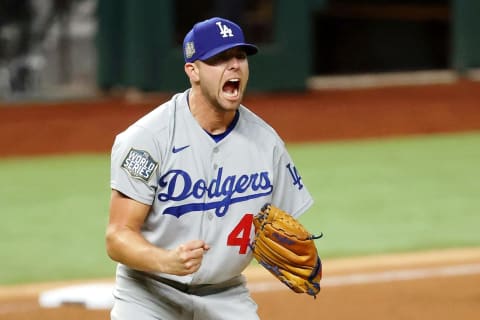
130	248
126	244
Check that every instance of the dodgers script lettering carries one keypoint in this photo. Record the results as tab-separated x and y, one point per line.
178	185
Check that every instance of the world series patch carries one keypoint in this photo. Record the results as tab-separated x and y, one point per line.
139	164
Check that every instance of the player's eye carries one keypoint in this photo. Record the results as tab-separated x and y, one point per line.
241	55
224	56
215	60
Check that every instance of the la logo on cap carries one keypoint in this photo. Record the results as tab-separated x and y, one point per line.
224	30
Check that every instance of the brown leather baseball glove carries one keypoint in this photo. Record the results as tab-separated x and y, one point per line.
286	249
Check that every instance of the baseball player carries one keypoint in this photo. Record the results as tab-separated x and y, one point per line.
186	180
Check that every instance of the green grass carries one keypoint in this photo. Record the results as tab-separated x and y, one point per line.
54	212
393	195
372	196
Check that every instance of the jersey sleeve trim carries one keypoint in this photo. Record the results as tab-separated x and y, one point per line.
131	194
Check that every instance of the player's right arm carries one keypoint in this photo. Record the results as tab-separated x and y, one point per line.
126	244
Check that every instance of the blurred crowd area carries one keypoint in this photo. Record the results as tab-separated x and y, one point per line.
50	48
46	45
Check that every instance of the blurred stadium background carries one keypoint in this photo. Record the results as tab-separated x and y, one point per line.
77	48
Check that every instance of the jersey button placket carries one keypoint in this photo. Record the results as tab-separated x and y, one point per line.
209	227
215	165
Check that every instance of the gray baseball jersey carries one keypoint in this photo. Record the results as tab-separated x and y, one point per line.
199	188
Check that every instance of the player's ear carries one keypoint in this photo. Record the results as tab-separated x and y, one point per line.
191	70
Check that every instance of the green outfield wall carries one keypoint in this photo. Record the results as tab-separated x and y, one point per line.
466	35
138	45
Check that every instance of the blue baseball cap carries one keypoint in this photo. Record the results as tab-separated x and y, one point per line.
210	37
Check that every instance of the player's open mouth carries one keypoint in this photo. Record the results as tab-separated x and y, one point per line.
231	88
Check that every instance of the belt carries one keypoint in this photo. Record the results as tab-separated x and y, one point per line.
195	289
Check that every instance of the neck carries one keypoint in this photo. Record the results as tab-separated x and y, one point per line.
211	118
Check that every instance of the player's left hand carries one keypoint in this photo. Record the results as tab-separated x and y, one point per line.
285	248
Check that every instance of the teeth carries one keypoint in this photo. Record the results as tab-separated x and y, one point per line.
232	94
233	90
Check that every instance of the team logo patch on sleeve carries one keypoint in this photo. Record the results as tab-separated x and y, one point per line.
139	164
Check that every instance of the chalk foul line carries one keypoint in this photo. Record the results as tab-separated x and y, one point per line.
378	277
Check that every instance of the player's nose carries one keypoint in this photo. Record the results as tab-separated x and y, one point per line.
234	62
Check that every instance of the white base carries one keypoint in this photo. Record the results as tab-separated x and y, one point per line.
91	296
